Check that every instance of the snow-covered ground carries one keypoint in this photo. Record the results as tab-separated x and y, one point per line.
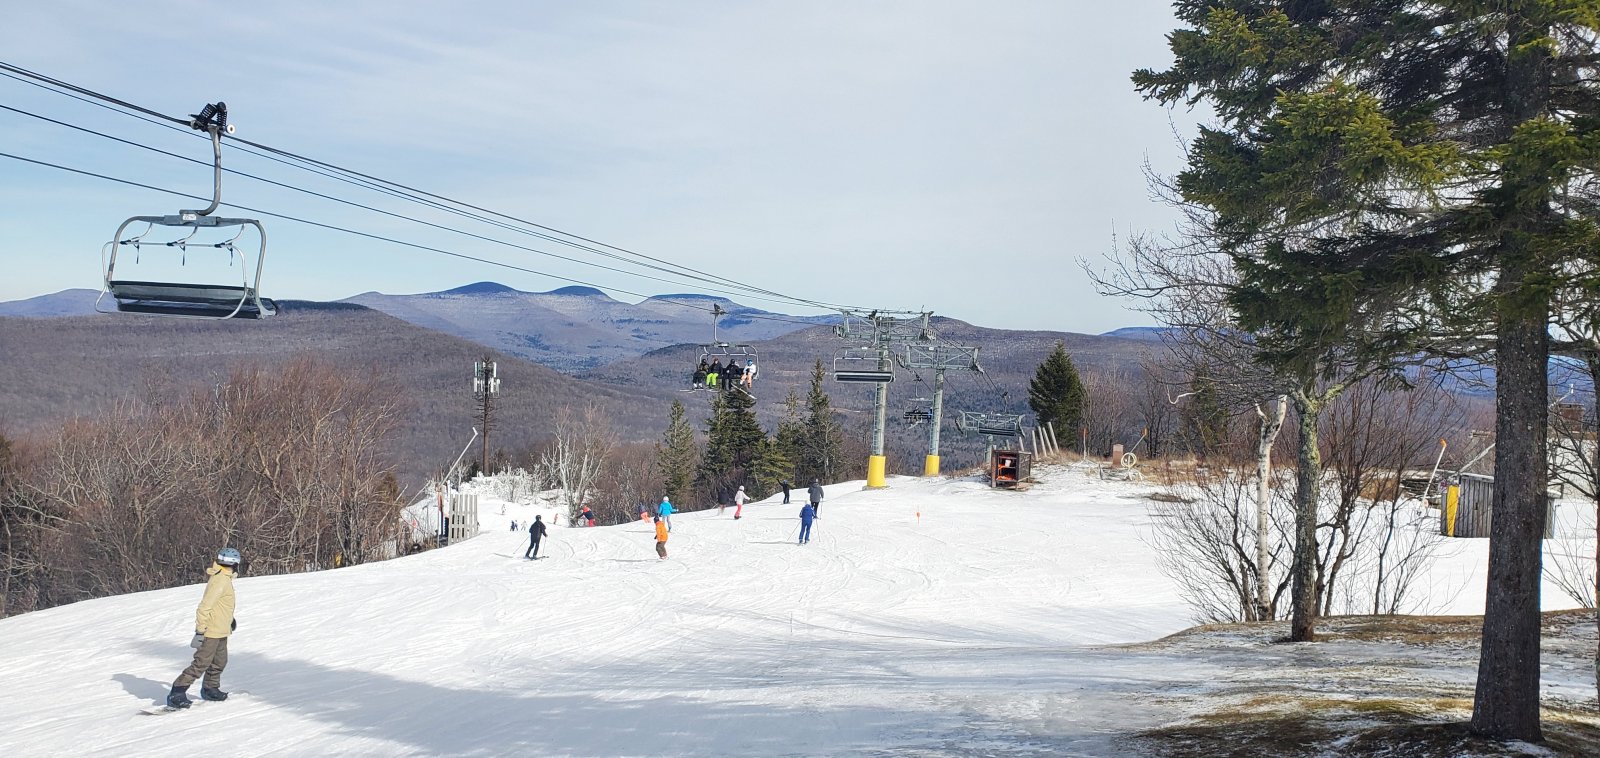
933	617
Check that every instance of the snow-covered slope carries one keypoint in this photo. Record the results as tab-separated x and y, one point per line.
934	617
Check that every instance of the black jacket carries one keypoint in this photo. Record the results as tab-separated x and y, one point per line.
537	530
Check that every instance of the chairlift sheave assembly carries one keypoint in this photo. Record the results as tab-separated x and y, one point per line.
191	299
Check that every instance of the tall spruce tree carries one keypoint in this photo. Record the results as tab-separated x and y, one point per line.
1205	422
1057	394
1384	170
823	437
772	466
676	454
791	434
734	442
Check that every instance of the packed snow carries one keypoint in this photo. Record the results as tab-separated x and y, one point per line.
935	617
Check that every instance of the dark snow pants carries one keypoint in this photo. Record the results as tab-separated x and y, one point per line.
533	550
661	548
210	660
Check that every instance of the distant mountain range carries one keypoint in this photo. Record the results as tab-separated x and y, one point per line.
571	329
51	369
633	359
577	328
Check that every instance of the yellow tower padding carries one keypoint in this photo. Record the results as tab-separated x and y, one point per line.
875	468
1452	498
930	466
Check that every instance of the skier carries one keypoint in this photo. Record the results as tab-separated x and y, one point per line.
213	622
739	499
700	376
731	374
807	514
785	485
661	538
513	525
714	374
587	516
664	511
815	493
749	379
535	533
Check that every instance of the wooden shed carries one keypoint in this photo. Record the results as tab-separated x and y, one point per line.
1468	505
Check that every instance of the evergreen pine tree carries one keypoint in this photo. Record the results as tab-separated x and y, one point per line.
1205	423
734	441
1387	171
823	437
1057	394
790	435
675	455
772	466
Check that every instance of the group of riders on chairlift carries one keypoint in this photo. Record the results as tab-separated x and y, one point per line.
731	376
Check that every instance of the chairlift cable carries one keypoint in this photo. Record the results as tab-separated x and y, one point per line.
67	88
378	237
352	203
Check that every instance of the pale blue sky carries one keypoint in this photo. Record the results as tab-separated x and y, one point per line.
956	156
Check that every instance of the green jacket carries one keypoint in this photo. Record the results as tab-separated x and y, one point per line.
214	617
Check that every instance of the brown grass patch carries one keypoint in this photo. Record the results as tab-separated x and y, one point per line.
1290	725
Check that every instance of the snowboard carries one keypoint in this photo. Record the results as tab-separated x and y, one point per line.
165	709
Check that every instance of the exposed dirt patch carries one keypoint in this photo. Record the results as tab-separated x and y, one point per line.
1372	686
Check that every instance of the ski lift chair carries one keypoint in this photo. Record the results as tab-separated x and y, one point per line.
205	300
721	350
861	366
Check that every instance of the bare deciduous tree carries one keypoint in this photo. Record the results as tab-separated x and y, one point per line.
577	453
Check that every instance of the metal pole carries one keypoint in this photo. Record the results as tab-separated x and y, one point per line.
930	466
876	464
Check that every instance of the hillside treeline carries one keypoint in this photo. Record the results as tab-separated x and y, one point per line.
287	465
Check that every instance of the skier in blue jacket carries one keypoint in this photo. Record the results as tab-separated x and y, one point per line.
665	512
807	515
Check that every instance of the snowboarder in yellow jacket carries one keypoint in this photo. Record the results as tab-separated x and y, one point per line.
213	622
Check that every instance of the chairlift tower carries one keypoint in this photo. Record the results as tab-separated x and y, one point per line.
939	357
485	385
878	332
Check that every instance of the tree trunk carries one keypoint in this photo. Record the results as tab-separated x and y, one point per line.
1506	705
1270	426
1594	487
1308	490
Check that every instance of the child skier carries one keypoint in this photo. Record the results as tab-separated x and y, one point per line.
739	499
213	622
586	516
661	538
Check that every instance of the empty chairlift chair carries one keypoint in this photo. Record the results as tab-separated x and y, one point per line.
864	366
165	295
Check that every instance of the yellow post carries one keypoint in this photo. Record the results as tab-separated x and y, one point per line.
930	466
1452	497
875	469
